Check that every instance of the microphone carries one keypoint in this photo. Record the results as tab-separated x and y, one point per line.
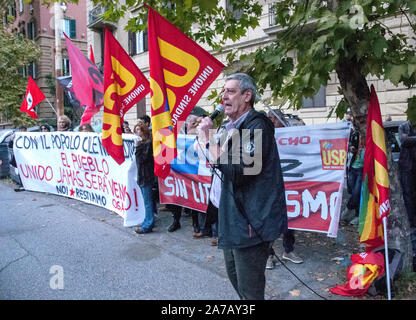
218	110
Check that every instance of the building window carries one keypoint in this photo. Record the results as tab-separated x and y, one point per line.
20	6
141	108
13	10
69	27
31	30
66	67
272	14
23	71
32	70
318	100
229	8
138	42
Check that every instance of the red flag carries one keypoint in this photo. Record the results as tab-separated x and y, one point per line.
365	268
375	190
92	55
124	86
87	81
180	71
32	98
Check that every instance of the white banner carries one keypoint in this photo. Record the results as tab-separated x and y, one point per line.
76	165
313	160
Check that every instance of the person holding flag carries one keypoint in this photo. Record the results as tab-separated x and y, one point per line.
145	176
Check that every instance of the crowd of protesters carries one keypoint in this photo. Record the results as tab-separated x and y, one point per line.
247	258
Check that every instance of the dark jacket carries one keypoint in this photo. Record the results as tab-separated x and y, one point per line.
145	163
407	159
261	195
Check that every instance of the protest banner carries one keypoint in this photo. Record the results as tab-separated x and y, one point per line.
313	162
189	180
76	165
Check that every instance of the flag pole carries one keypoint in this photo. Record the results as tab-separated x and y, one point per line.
51	106
386	250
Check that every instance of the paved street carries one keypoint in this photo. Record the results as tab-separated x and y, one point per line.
54	247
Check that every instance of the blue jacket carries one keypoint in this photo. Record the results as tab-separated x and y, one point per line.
261	195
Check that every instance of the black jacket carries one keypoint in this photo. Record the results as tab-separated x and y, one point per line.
145	163
407	160
256	189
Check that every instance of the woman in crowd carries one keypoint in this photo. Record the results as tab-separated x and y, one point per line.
45	128
64	123
86	127
145	175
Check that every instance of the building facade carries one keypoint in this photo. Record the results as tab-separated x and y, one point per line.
37	22
393	100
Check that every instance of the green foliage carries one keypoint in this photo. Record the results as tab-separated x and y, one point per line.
15	53
321	35
215	24
316	37
411	109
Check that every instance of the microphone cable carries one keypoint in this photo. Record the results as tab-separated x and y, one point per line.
244	214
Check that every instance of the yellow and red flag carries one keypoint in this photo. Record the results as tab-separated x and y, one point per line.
180	72
124	86
375	203
365	268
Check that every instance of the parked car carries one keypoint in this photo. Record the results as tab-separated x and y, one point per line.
391	129
5	136
5	153
294	120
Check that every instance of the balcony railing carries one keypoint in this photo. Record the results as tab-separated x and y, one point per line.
95	18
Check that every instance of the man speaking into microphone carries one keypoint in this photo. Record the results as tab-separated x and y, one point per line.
252	207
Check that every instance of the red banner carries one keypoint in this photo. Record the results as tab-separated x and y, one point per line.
311	204
33	97
186	190
124	86
180	71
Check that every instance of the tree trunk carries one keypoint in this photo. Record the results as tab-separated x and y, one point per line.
398	228
357	94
